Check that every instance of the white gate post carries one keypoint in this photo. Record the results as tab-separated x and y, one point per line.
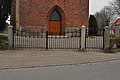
83	31
10	36
107	38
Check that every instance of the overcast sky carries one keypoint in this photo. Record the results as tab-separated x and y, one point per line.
97	5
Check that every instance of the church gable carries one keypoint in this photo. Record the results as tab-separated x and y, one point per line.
74	13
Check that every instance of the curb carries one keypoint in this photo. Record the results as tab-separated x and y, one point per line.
57	65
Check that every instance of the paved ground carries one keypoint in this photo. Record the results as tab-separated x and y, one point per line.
94	71
40	58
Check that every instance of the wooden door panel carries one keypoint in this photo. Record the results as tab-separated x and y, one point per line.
57	28
54	28
51	27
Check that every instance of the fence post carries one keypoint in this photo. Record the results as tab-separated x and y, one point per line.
83	30
46	40
10	36
107	38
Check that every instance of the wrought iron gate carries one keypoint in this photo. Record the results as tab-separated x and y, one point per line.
95	41
25	39
70	40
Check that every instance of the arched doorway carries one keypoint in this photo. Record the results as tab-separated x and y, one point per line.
55	23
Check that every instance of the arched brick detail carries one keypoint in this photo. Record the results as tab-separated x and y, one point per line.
63	22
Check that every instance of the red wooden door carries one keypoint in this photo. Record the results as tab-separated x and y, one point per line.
55	23
54	28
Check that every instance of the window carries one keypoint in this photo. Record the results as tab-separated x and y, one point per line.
55	16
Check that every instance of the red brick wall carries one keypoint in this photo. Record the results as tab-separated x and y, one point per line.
36	12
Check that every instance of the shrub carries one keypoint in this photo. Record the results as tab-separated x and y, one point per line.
4	41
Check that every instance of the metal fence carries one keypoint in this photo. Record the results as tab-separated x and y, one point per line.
70	40
95	41
42	40
27	39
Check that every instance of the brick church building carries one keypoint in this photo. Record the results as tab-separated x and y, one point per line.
56	16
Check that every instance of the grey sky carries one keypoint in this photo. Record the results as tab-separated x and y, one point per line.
97	5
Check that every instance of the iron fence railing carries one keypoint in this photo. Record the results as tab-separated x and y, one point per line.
42	40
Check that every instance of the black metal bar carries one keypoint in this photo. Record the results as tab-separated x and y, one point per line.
13	38
79	39
23	39
55	40
85	39
27	39
46	40
103	38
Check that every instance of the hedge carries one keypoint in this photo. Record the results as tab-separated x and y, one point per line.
4	41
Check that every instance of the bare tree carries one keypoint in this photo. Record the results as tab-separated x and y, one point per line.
101	17
98	16
109	12
115	6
